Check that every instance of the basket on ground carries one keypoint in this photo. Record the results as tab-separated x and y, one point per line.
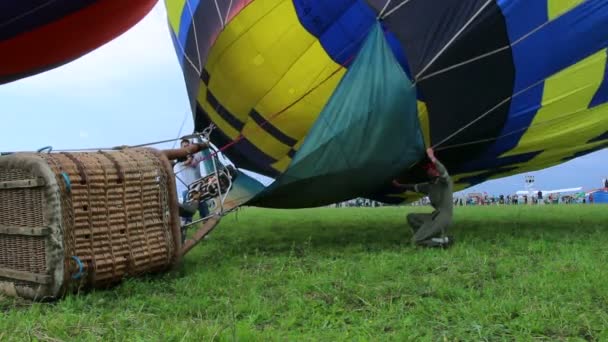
84	220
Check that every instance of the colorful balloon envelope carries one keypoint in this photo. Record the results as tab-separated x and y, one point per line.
39	35
334	99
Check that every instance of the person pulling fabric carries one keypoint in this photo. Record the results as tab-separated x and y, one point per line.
430	229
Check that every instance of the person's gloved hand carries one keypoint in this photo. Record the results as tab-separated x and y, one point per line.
431	154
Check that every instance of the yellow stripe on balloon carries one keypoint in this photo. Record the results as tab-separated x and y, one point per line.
264	141
266	60
555	8
564	121
423	117
313	70
282	164
174	13
238	26
564	125
222	124
251	66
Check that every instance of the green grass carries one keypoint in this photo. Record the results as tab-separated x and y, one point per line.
516	273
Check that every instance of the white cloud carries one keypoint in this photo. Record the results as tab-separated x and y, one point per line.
146	48
83	134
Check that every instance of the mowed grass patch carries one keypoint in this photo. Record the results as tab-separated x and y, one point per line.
516	272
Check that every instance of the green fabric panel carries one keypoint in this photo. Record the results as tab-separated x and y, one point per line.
366	135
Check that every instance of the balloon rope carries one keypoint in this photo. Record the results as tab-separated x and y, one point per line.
179	133
187	57
183	50
394	9
93	149
228	11
198	53
219	13
547	122
27	13
462	29
490	53
488	112
388	2
505	101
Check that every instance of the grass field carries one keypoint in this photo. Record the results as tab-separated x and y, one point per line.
516	273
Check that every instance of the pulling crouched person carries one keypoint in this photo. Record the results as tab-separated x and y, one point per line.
430	229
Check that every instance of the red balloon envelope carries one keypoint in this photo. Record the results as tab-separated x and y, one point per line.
38	35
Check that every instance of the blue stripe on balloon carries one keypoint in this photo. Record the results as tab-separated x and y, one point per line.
177	48
342	26
561	43
184	26
522	17
601	96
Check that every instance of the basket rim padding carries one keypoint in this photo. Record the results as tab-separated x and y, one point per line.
54	248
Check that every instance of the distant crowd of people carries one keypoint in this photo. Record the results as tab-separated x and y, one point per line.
537	198
359	202
469	200
484	199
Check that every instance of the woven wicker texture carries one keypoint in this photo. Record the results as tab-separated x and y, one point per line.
114	211
24	259
20	207
23	253
116	214
14	174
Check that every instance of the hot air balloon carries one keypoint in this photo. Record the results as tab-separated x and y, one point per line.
333	99
38	35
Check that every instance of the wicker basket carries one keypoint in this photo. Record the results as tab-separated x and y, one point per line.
84	220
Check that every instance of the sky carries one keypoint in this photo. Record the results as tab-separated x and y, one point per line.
131	91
